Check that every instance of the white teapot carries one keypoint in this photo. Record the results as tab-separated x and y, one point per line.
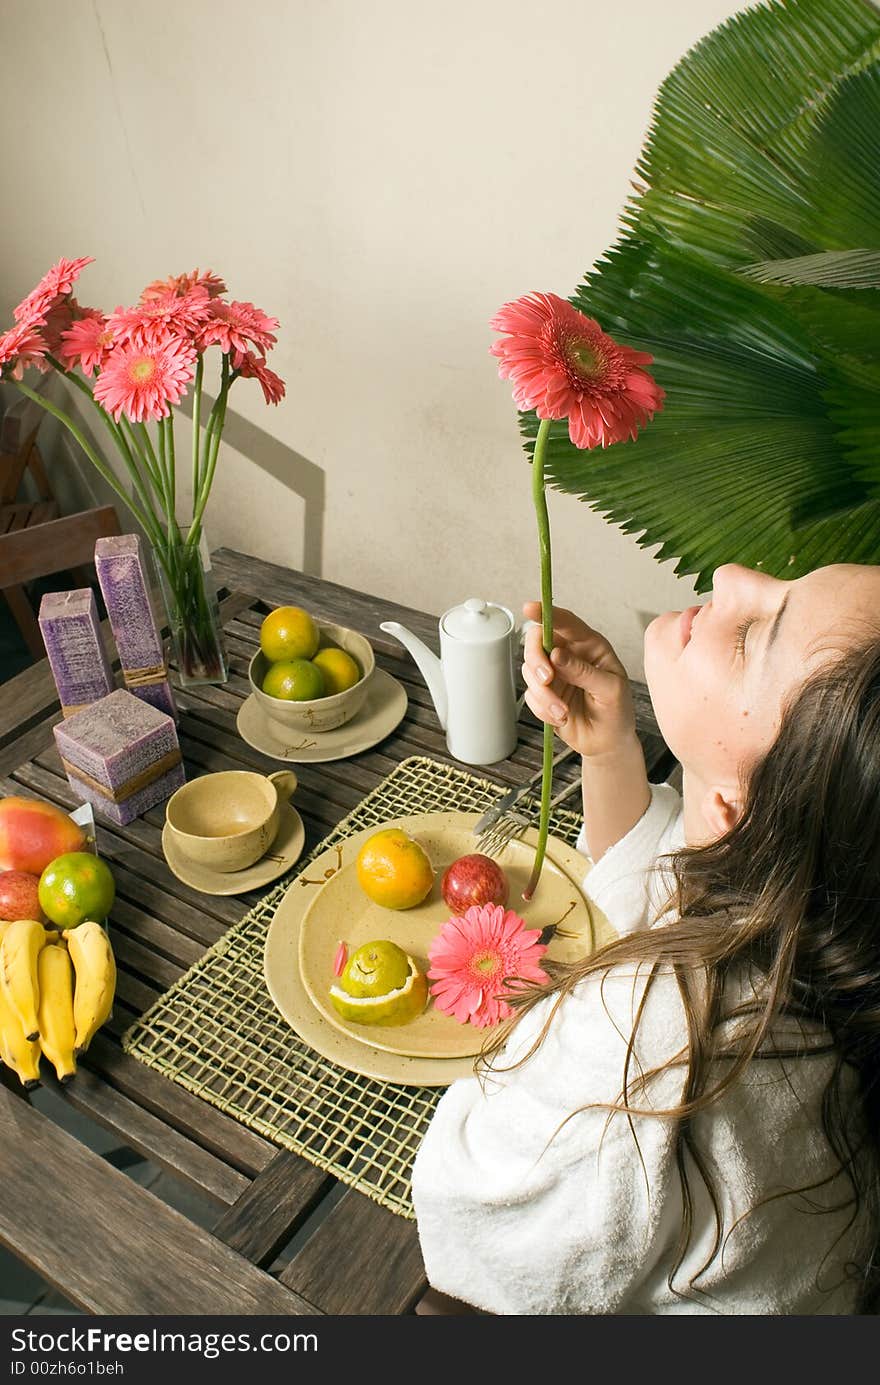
472	683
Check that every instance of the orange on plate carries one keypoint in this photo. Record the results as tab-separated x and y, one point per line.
394	870
76	887
289	633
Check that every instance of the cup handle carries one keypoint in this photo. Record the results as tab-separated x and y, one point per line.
285	782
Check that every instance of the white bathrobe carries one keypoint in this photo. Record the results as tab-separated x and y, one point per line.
516	1218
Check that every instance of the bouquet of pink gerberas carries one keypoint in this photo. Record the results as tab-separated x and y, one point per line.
143	360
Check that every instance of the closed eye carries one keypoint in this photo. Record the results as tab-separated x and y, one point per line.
741	631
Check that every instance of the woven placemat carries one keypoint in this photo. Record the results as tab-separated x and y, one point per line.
217	1032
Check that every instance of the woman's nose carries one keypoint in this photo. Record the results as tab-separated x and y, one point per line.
734	583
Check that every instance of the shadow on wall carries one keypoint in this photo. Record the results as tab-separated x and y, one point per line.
279	461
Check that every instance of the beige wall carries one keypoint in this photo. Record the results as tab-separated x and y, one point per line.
381	175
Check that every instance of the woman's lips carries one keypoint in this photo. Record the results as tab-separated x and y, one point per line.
685	622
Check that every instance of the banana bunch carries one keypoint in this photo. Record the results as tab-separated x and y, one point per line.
56	990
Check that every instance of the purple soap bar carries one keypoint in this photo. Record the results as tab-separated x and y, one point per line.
132	619
121	754
72	636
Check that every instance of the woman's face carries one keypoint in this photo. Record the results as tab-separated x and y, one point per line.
719	674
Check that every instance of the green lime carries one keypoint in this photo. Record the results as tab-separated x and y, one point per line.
76	887
294	680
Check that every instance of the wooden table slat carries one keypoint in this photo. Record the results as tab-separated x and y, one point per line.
154	1139
273	1207
231	1141
361	1259
162	1263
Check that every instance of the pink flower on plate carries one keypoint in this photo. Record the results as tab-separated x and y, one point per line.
142	381
234	326
180	285
20	347
474	955
563	365
171	314
56	283
87	342
254	367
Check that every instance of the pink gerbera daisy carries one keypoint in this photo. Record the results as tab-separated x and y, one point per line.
180	285
20	347
87	342
563	365
172	314
253	367
142	381
56	283
474	955
234	326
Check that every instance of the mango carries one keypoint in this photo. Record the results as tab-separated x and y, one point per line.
33	833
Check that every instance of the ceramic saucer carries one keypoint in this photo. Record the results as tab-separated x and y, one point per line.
384	708
282	854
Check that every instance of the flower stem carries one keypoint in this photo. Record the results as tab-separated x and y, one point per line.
539	497
196	423
128	448
144	516
212	448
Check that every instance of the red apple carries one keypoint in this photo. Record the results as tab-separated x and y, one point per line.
19	895
474	879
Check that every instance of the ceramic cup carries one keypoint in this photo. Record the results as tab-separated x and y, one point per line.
227	821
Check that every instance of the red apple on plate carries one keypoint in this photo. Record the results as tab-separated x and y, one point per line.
19	895
474	879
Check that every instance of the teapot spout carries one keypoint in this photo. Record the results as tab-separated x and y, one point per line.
428	664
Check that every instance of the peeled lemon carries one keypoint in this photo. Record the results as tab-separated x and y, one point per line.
381	984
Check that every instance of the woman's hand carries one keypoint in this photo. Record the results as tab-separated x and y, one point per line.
582	689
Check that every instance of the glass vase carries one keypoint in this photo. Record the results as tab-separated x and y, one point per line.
193	610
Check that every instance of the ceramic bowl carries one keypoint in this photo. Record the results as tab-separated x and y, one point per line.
227	821
321	713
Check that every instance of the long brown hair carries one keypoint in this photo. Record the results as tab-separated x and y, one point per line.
792	892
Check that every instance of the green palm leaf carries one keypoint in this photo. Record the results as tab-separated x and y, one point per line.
833	269
763	148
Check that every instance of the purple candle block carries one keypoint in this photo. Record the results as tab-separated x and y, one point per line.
121	755
72	636
132	620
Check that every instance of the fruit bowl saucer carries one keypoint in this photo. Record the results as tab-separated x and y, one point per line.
325	905
383	709
283	853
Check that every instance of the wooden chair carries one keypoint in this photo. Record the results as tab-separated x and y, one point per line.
34	540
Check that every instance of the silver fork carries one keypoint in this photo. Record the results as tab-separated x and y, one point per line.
512	824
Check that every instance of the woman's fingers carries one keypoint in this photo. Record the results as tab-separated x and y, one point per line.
568	629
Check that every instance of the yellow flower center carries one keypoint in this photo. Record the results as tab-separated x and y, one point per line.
486	963
584	359
143	370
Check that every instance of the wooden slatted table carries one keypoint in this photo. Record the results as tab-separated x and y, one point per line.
114	1247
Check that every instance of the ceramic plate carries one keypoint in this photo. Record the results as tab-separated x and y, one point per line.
284	852
445	836
384	708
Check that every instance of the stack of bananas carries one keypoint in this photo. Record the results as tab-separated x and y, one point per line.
56	990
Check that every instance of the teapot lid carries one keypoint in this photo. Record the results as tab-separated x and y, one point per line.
477	622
